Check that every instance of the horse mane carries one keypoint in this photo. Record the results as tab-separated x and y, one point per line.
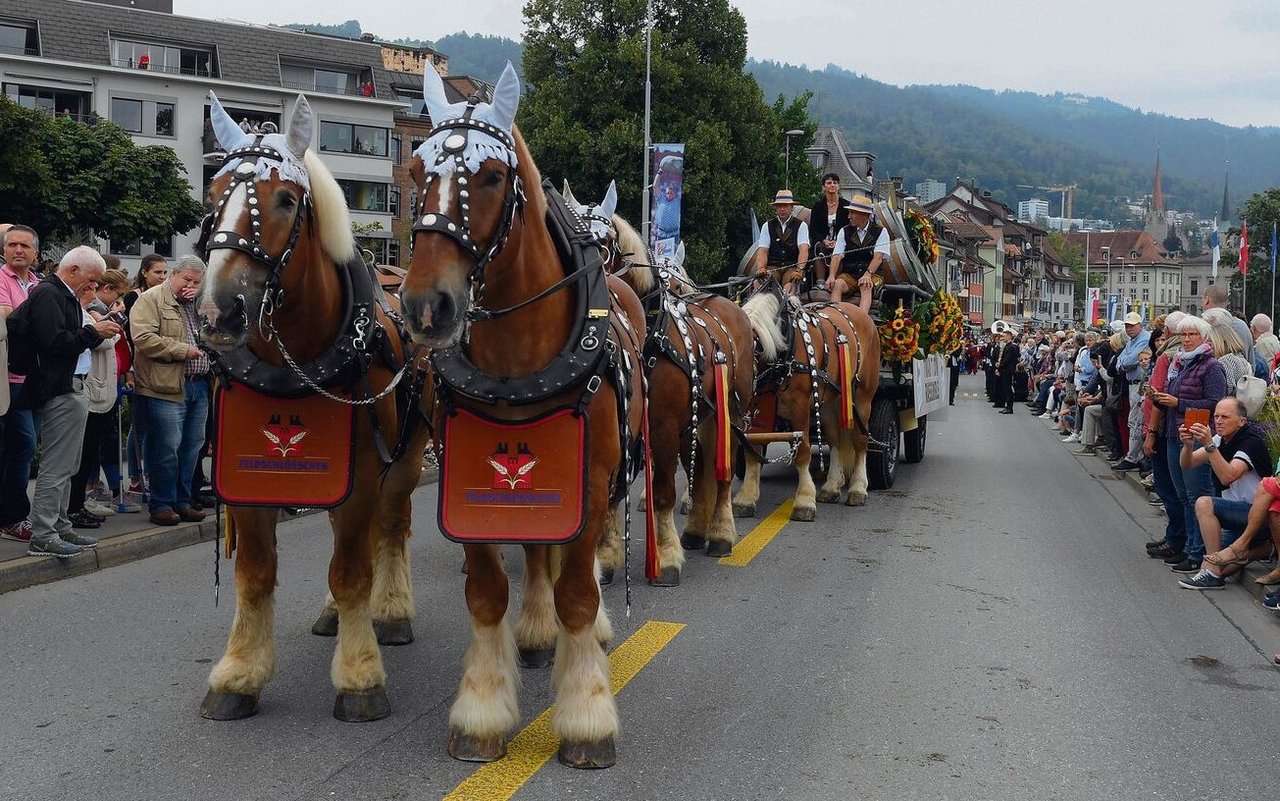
332	218
535	201
635	254
762	310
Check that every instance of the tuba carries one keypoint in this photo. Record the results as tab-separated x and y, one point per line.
1001	327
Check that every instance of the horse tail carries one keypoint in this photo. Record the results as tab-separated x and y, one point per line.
762	310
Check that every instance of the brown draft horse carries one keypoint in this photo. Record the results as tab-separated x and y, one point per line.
688	333
804	378
486	276
278	238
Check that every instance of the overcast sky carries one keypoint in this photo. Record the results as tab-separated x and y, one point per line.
1214	59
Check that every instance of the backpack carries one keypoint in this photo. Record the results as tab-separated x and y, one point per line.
22	345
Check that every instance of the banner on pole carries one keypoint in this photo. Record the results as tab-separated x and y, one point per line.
668	191
1091	306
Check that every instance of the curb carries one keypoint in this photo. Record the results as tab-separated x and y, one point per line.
29	571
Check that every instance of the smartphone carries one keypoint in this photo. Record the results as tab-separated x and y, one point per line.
1194	416
120	318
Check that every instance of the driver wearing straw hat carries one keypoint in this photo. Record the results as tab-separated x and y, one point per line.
783	244
860	248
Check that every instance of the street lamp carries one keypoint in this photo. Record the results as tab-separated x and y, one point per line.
1106	254
787	160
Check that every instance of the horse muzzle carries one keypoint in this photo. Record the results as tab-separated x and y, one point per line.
435	319
224	327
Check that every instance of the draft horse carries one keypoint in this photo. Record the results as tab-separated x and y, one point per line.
519	328
691	335
289	309
799	375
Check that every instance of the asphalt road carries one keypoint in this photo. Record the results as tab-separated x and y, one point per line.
988	629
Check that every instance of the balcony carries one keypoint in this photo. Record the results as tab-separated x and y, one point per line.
202	71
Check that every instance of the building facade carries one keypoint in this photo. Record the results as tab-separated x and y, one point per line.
1033	209
1136	273
930	190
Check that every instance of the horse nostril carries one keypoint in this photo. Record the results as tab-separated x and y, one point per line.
442	308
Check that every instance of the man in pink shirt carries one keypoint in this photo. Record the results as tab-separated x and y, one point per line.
18	444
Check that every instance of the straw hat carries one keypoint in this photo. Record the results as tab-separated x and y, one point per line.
860	203
784	198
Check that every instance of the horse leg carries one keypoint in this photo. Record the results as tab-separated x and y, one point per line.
721	532
744	503
858	479
830	492
536	628
249	660
586	716
609	553
486	708
665	460
698	522
804	508
357	671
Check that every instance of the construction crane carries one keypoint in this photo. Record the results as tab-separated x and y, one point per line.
1068	194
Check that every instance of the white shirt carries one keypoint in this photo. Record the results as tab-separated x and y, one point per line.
85	360
802	236
881	246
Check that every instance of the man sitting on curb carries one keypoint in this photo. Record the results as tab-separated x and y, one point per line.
1239	458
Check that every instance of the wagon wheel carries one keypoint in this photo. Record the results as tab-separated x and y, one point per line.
913	442
882	464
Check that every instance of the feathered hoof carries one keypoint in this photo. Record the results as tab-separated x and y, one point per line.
685	507
228	706
744	510
718	548
827	496
804	514
692	542
394	632
606	576
667	577
470	748
362	707
327	624
588	756
536	657
856	499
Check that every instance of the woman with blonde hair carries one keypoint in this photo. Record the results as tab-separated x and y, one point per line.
1227	347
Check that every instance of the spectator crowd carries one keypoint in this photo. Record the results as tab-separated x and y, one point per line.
1189	403
87	349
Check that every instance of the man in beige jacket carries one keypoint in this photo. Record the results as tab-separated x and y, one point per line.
171	390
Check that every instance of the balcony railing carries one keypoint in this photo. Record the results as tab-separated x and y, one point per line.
332	90
19	51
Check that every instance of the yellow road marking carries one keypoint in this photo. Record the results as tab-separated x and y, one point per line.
760	536
536	743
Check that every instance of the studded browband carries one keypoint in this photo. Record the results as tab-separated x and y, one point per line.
232	240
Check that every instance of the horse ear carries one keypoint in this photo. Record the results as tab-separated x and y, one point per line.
679	256
506	99
433	96
610	203
298	132
224	128
568	194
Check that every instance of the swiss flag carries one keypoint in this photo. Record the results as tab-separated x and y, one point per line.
1244	248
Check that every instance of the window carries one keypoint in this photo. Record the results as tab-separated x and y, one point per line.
135	248
413	201
1146	276
162	57
55	101
1195	286
1146	294
164	119
1133	278
364	140
19	38
364	195
334	79
393	252
146	117
127	114
393	201
395	150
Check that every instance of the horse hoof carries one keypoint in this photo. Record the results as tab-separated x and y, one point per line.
804	514
393	632
685	507
362	707
228	706
667	577
536	657
744	510
826	496
606	576
692	542
856	500
470	748
588	756
718	548
327	624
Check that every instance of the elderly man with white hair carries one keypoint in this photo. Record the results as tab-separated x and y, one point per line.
1265	345
55	389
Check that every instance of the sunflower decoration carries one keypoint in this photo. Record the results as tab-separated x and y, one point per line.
941	323
921	235
900	337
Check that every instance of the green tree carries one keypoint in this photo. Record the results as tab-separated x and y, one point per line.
1259	213
65	179
583	114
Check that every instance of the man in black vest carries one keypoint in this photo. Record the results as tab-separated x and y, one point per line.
1006	360
783	244
860	249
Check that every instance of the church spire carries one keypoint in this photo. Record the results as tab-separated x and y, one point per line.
1224	213
1157	195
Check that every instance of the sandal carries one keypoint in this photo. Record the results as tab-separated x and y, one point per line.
1270	579
1226	557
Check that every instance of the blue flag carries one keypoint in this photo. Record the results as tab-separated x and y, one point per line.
1273	247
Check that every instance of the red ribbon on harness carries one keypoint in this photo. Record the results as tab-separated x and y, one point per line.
723	461
844	357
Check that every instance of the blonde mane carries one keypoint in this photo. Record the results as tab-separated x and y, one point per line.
333	221
762	310
635	254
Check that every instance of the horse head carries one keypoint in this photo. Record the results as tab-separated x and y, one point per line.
469	197
268	199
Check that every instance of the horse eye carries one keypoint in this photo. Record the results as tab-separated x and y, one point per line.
285	200
492	179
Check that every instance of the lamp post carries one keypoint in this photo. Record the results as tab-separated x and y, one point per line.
787	158
1106	255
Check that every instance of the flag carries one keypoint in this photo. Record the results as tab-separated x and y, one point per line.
1214	245
1273	247
1244	248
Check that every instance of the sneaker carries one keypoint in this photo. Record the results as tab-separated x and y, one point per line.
1088	449
1272	601
135	499
102	495
1188	565
83	540
54	547
97	509
1047	416
1204	580
1072	438
1155	503
1168	554
1124	464
82	519
20	531
1148	483
138	485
